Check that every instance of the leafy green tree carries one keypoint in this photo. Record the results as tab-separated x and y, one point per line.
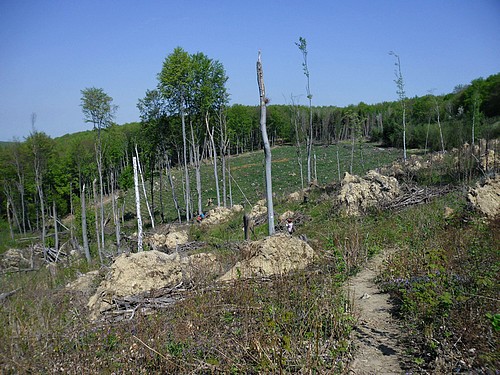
99	110
175	84
41	146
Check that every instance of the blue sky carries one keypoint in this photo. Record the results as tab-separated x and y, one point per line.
50	50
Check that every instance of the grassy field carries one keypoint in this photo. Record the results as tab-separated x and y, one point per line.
247	173
443	279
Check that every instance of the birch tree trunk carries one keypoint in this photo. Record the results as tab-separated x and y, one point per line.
86	248
187	192
267	148
137	206
56	232
172	186
214	158
99	248
144	188
9	220
116	217
197	169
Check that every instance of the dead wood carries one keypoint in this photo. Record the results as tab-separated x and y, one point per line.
6	295
414	195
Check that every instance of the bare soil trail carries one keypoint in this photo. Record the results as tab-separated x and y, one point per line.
377	335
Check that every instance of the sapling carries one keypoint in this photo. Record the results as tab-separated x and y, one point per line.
401	94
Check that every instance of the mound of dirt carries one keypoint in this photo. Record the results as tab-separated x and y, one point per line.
84	283
169	240
485	197
275	255
359	193
131	274
15	259
259	209
220	215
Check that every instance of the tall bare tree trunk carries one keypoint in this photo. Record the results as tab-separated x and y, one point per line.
214	158
137	206
9	220
96	210
144	188
56	231
197	168
172	186
101	191
187	192
86	248
267	148
116	217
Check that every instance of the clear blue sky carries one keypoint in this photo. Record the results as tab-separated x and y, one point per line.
52	49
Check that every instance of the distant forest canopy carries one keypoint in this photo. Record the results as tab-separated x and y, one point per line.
62	165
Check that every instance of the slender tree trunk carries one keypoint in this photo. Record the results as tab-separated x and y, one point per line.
56	231
72	213
439	126
144	188
172	186
187	193
137	206
42	211
162	210
197	169
214	158
101	191
9	220
96	210
116	217
14	217
86	248
267	148
229	178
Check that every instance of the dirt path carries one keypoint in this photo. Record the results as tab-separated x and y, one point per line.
376	336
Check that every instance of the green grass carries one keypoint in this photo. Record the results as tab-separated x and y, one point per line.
248	179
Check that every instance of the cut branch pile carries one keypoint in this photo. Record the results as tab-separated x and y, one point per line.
126	307
416	195
54	255
183	248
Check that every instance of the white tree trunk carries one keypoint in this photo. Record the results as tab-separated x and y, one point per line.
187	192
86	248
267	148
172	186
137	206
99	249
144	188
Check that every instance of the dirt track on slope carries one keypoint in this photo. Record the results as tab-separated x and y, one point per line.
377	335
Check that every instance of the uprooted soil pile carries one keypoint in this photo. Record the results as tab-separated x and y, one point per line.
484	153
170	240
132	274
485	196
357	194
220	215
275	255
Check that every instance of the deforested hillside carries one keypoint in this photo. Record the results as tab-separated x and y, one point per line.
200	298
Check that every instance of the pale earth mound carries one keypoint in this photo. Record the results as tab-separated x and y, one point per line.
132	274
359	193
485	197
